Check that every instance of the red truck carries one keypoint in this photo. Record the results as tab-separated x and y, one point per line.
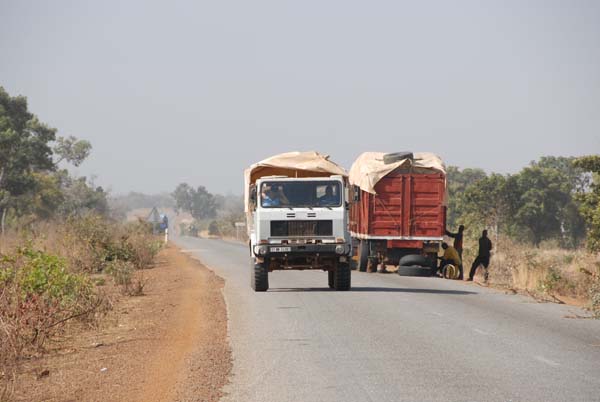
398	211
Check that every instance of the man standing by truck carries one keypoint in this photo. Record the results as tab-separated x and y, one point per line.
483	256
458	245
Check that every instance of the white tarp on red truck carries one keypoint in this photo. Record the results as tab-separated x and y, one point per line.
370	167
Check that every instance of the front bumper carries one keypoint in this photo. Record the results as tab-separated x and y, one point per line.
290	250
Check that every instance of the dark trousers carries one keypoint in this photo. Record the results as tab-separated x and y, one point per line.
480	260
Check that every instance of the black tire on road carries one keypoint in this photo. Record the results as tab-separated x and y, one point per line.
363	255
397	156
414	270
342	276
415	259
330	278
259	280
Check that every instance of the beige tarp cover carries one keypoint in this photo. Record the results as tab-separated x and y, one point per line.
369	168
291	164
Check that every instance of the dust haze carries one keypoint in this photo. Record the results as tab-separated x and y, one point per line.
196	91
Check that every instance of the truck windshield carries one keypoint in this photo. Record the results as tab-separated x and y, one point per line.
292	194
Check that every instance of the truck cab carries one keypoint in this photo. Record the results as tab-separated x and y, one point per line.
299	223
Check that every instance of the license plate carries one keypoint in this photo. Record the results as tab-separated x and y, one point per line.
280	249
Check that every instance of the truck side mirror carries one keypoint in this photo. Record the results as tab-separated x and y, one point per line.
252	196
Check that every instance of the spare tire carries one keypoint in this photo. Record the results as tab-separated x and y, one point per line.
397	156
414	270
415	259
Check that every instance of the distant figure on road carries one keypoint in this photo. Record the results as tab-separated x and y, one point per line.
450	257
329	198
458	245
483	256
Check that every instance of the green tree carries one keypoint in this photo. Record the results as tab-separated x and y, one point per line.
203	204
458	181
29	156
24	149
72	150
589	199
538	197
183	197
81	197
198	202
484	203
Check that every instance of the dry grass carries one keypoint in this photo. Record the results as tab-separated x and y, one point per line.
52	275
547	272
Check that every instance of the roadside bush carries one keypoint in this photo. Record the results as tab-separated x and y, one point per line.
121	272
52	280
41	293
89	243
142	247
124	275
38	297
594	291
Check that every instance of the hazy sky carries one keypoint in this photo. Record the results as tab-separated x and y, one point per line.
196	91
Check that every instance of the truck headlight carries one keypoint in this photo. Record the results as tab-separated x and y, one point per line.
340	249
261	250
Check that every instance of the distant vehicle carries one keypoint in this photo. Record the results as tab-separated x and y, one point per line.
297	217
398	210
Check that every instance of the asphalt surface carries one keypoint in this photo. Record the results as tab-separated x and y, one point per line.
397	338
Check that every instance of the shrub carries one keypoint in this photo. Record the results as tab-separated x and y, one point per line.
89	241
41	292
594	291
38	297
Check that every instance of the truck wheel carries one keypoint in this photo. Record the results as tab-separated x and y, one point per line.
330	279
260	277
414	270
415	259
363	255
341	277
450	271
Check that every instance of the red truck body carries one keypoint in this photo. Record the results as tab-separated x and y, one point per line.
407	213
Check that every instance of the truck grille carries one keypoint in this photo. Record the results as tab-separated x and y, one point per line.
301	228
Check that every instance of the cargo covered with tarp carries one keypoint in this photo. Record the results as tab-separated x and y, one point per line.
370	167
399	199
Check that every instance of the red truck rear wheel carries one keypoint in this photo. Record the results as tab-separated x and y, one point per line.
363	255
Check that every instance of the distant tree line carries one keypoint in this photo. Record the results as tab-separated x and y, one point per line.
121	204
215	212
555	198
32	184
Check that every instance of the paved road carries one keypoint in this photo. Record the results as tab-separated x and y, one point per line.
395	338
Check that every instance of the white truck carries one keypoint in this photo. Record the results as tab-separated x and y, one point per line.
297	218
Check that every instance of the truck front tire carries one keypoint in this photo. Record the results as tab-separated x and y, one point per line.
342	277
330	278
259	279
